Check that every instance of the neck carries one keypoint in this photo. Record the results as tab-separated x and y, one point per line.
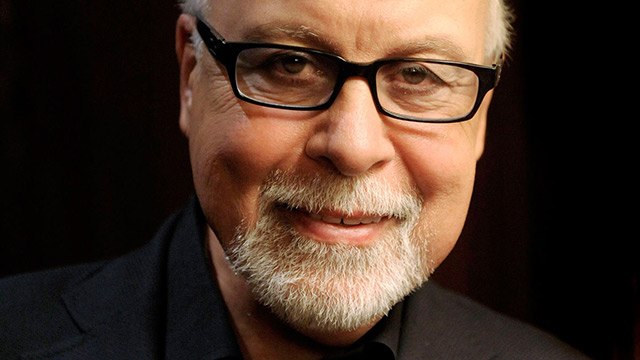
260	334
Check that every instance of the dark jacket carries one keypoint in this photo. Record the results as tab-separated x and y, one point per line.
162	302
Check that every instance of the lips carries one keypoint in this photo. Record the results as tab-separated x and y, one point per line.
337	217
336	227
347	221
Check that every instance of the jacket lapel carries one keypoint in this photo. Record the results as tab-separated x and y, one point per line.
118	308
158	302
198	325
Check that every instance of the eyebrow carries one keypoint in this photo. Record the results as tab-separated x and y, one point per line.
275	31
440	46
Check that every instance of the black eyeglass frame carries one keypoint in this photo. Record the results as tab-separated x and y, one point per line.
227	54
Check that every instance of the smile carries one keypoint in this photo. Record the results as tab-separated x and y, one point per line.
333	227
347	221
338	217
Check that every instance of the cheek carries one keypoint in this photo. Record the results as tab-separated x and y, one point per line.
233	148
443	168
214	182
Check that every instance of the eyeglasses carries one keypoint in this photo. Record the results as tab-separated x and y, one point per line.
299	78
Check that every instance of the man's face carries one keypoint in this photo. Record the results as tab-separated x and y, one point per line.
299	198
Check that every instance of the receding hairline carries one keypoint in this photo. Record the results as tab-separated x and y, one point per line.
499	32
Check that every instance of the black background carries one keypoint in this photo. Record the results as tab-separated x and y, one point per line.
93	161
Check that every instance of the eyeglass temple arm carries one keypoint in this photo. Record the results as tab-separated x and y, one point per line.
498	65
209	35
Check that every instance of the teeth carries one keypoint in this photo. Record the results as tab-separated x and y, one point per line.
369	220
347	221
336	220
331	220
351	221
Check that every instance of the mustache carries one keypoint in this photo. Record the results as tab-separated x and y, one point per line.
317	192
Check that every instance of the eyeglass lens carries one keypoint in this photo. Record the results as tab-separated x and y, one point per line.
407	88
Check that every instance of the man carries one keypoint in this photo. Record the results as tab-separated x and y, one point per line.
333	147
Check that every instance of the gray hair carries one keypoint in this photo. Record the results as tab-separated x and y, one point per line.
195	8
499	31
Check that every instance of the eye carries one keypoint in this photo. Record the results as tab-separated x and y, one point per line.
414	75
293	64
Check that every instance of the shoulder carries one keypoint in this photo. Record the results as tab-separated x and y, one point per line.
58	308
79	309
443	324
32	310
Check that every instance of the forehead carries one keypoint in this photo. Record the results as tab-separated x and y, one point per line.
360	30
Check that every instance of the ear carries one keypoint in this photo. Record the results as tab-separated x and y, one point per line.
481	130
187	62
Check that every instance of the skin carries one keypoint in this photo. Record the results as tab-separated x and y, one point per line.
234	145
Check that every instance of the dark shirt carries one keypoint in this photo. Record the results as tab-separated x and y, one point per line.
163	302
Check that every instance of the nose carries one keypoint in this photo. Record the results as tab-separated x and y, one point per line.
352	136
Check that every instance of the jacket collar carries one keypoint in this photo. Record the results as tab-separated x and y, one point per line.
198	325
165	285
119	304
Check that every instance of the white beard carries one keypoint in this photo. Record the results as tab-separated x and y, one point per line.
321	287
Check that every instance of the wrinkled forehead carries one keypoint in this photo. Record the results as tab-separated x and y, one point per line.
360	30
